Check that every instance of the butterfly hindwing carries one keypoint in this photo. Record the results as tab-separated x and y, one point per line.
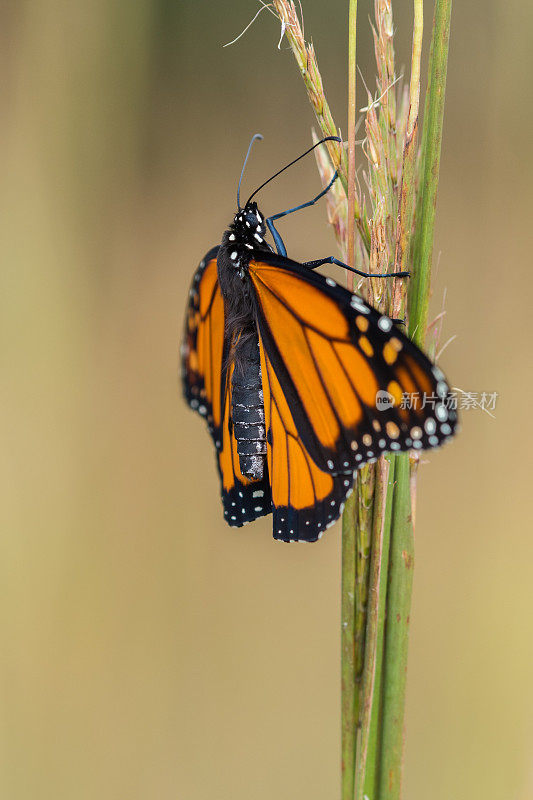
207	389
305	499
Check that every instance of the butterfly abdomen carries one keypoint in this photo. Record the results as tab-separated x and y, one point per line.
247	410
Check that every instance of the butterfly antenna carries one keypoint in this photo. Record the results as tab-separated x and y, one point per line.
317	144
253	139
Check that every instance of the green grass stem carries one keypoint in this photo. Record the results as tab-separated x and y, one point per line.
419	288
363	538
374	734
377	585
348	713
399	589
352	125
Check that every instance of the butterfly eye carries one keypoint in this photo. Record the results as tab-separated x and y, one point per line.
253	217
253	226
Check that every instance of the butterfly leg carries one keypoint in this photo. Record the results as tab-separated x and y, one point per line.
280	246
332	260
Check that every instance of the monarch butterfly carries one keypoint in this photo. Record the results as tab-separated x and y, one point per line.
288	368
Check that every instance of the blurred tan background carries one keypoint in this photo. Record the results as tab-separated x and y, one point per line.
147	650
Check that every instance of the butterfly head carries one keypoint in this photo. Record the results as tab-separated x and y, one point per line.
249	225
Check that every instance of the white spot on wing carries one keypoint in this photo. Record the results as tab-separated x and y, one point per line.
441	413
358	304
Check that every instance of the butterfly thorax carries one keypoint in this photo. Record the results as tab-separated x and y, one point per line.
245	235
242	242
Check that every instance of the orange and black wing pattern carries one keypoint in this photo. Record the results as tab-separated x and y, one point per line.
335	377
207	389
203	344
305	499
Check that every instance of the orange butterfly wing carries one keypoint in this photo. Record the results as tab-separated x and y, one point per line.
328	360
203	344
305	499
207	389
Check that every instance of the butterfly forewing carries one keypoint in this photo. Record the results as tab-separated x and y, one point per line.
207	389
203	343
345	370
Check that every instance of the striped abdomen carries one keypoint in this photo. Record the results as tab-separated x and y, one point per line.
247	410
